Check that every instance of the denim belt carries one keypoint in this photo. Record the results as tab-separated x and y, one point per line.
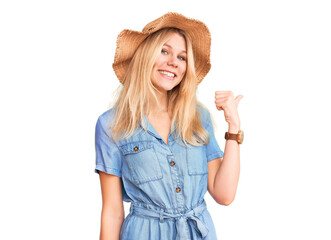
182	219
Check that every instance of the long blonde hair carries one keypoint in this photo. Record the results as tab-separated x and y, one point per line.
138	94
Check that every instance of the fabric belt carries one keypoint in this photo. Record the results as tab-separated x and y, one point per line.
182	219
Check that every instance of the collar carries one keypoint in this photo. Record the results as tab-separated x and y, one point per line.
151	130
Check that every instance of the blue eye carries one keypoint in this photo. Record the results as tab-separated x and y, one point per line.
164	51
181	58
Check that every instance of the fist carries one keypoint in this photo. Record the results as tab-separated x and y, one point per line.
225	100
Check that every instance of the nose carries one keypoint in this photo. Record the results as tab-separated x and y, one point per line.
173	61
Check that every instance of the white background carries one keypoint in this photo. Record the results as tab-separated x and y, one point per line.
56	79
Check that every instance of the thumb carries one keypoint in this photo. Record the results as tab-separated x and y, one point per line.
238	98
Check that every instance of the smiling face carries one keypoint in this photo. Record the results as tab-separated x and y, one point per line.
170	66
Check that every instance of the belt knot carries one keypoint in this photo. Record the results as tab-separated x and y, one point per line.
182	220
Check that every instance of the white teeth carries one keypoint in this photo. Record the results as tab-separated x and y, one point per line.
167	73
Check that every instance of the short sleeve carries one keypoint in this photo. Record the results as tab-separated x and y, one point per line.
108	156
212	149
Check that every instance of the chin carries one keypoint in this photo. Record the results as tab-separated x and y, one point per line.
166	88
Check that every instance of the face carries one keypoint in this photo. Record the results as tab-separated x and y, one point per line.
170	67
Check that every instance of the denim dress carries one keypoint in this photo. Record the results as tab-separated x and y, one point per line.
165	183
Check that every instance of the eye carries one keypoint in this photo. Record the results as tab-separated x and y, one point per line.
164	51
181	58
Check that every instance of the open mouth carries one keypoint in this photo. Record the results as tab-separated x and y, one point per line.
167	74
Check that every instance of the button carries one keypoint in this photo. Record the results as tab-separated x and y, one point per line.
172	163
136	148
178	189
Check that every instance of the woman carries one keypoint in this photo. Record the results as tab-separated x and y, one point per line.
156	147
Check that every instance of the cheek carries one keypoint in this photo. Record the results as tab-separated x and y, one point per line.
160	60
183	70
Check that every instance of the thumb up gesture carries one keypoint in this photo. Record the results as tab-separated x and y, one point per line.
225	100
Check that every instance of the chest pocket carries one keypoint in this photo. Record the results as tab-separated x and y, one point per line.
196	160
142	161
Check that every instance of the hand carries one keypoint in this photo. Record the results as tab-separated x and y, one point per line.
224	100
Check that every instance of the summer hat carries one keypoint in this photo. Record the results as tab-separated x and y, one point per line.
129	40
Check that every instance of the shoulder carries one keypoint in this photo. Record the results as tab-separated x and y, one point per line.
106	116
104	120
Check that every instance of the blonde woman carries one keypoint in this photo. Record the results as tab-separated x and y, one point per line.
156	147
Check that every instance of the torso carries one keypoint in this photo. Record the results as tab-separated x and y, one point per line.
162	124
156	177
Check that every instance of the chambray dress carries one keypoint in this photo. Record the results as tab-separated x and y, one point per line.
165	184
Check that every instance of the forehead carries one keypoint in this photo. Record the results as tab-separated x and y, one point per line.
176	42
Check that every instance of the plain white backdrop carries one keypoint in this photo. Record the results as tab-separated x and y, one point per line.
56	79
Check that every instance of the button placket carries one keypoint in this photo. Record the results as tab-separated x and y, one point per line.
177	184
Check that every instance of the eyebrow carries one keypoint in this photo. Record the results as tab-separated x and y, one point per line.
167	45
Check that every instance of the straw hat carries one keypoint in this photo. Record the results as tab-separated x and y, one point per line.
129	40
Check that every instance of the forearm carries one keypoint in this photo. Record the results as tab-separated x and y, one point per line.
227	176
110	226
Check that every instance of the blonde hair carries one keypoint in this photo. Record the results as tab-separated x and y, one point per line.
138	94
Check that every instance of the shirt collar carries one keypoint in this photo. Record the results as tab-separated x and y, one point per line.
151	130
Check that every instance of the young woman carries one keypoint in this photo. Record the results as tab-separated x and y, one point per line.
156	147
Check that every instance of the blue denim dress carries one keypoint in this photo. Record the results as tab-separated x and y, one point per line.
165	183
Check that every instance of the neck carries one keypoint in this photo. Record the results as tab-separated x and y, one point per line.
162	98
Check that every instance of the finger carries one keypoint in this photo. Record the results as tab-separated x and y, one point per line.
223	93
217	92
220	101
221	97
219	105
238	98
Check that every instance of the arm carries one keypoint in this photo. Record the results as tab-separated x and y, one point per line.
223	174
112	214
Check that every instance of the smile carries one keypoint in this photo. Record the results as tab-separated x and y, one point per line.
169	74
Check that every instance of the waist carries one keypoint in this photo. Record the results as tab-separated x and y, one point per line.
182	219
145	210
